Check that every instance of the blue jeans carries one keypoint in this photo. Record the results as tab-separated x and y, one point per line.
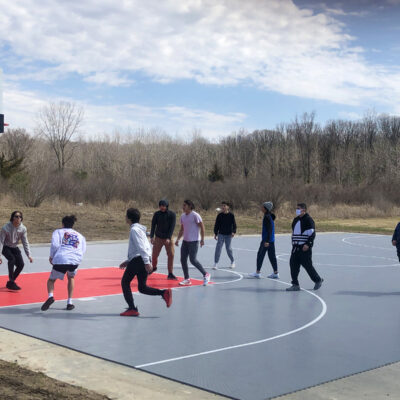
228	240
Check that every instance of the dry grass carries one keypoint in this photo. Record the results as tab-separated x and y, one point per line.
108	223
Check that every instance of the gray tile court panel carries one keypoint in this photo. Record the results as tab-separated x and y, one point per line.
243	338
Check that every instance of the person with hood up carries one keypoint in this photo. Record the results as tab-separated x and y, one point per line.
267	244
138	264
10	235
162	227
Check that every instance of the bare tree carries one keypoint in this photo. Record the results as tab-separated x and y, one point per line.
58	123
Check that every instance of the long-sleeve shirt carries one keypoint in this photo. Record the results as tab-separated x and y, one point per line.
225	224
67	247
10	236
268	228
163	224
396	235
139	244
303	231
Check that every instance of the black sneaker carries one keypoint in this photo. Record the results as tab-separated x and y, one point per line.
318	284
70	307
12	286
172	276
293	288
47	303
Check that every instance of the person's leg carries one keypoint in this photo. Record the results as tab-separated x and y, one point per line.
19	263
272	257
71	286
184	258
50	291
126	280
218	248
169	247
228	247
295	266
306	262
142	279
157	246
260	255
50	287
9	255
193	248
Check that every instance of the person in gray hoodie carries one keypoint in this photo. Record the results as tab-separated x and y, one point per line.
10	235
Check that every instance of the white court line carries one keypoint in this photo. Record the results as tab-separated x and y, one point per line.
345	240
314	321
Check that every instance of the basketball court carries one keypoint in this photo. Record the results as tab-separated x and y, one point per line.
240	337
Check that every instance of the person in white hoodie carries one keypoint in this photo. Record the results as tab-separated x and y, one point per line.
138	264
66	252
10	235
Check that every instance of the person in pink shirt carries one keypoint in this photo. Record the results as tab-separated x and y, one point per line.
192	230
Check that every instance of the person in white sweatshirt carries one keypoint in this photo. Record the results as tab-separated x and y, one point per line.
66	252
10	235
138	264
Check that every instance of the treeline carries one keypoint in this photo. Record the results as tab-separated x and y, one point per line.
354	162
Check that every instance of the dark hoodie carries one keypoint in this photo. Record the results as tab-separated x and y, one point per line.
163	224
268	227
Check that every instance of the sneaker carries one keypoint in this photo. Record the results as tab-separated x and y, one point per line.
47	303
273	276
167	296
206	279
70	307
171	276
130	312
233	265
12	286
215	266
185	282
293	288
255	275
318	284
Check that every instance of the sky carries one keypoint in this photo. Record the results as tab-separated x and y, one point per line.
208	66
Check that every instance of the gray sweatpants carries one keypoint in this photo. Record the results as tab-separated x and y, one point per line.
228	240
189	249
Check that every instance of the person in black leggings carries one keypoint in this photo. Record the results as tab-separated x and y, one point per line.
138	264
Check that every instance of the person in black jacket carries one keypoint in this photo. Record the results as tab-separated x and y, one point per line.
396	239
224	231
267	244
162	227
303	235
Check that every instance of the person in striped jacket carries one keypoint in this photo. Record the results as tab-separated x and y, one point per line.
303	235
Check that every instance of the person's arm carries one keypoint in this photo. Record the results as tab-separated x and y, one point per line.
311	235
153	227
25	244
180	234
172	223
2	239
233	225
267	230
201	225
395	234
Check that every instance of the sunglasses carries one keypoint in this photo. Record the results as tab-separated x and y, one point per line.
17	216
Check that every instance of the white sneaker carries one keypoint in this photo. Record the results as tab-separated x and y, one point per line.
273	276
206	279
255	275
215	266
185	282
233	265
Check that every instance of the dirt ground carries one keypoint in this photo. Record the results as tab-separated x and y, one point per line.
108	223
17	383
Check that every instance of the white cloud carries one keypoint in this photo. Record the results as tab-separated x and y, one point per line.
273	45
21	109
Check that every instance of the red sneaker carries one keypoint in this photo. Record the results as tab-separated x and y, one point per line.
167	296
130	312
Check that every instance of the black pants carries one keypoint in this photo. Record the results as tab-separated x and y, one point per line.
304	258
271	255
136	268
14	257
398	252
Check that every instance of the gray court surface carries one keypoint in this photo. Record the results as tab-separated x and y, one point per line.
240	337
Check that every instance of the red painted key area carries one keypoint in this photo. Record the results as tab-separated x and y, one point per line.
88	283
